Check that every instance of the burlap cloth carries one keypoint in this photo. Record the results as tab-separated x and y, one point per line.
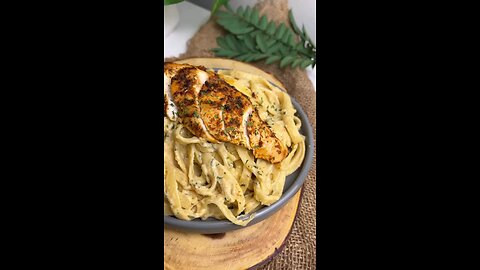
300	248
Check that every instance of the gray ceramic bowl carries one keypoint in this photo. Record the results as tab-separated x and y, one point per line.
292	185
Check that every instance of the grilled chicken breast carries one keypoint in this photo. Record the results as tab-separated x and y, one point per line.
185	87
213	109
212	100
222	102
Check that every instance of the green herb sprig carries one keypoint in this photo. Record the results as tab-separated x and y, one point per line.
253	38
216	5
171	2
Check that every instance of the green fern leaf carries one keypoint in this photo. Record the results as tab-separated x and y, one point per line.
249	42
240	11
293	23
297	62
306	63
260	57
250	57
231	42
284	50
275	48
222	43
281	30
286	37
241	31
226	53
261	43
271	59
255	33
291	41
286	61
255	17
247	14
242	57
263	23
271	42
304	33
253	38
271	28
227	22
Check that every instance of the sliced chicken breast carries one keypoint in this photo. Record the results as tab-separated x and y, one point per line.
185	87
212	100
225	111
263	141
170	109
213	109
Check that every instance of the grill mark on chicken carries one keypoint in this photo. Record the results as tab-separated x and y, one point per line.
213	109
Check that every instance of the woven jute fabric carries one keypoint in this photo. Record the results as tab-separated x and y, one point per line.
299	251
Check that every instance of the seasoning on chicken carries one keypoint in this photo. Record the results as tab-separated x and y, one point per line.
185	87
212	102
213	109
222	103
263	141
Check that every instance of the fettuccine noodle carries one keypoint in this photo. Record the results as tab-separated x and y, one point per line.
225	181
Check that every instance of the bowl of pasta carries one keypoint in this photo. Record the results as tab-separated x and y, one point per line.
237	146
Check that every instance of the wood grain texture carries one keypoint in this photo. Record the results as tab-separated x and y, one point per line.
240	249
247	248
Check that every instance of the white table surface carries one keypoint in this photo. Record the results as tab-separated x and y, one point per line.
191	18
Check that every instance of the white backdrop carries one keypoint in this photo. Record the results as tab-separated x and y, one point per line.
191	17
303	10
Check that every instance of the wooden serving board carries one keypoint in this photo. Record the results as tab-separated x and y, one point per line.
246	248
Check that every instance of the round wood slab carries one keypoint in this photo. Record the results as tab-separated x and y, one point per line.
241	249
247	248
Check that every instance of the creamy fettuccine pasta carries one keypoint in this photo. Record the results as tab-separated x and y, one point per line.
226	181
